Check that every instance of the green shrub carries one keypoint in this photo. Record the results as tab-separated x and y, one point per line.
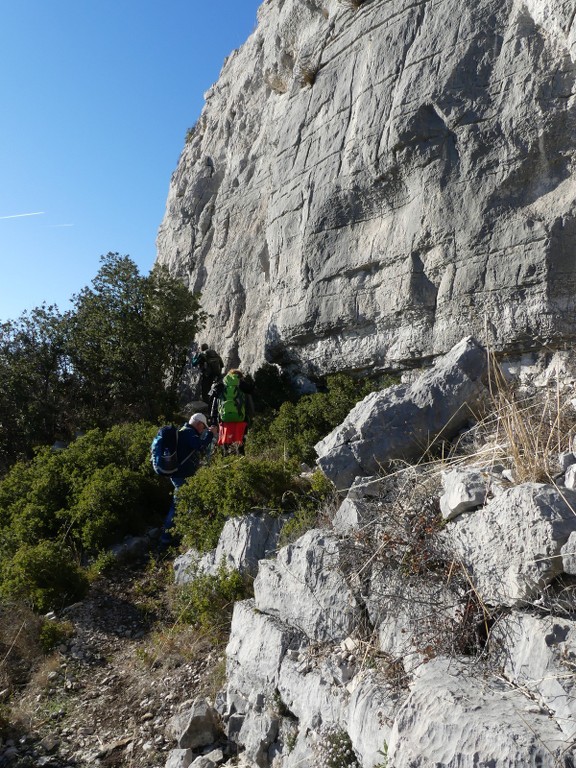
229	487
208	601
86	496
45	575
99	488
31	495
53	633
125	445
298	426
310	506
112	503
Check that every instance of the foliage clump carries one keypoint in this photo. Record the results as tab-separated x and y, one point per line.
208	600
45	575
334	748
53	633
298	425
230	487
72	504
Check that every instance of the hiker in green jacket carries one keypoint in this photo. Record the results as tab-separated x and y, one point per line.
232	408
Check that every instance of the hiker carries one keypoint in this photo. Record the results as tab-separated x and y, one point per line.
210	364
232	408
194	439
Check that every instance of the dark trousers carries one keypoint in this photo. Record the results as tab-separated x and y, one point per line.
166	537
205	384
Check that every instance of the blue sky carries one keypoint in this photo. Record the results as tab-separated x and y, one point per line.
96	98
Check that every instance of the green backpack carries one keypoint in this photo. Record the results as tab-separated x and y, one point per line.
232	401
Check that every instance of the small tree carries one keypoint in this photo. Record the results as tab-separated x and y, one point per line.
173	317
34	382
129	341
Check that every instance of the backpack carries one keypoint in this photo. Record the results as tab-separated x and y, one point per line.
198	360
214	362
232	401
164	450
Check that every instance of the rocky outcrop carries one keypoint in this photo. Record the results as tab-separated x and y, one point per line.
432	624
404	422
512	547
244	541
362	185
438	724
420	675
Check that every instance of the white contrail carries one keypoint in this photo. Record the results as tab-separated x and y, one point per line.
20	215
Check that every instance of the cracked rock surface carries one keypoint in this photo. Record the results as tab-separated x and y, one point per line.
362	185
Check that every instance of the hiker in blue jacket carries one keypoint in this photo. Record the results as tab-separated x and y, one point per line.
194	440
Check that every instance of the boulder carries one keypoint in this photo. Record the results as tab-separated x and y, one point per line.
512	546
464	489
570	477
454	719
259	730
179	758
186	566
568	552
321	605
196	726
255	650
211	760
539	654
566	459
244	541
358	509
403	421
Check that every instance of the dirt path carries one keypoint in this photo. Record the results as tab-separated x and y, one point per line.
106	695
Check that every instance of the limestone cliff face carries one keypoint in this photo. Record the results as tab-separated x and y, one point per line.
365	186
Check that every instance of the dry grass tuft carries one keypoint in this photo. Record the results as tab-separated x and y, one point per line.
401	567
354	4
532	429
276	82
20	648
308	74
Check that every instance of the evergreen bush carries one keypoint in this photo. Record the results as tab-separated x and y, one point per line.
45	575
112	503
229	487
298	426
53	633
80	499
208	600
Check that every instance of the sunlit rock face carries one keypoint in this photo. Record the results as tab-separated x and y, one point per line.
364	187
